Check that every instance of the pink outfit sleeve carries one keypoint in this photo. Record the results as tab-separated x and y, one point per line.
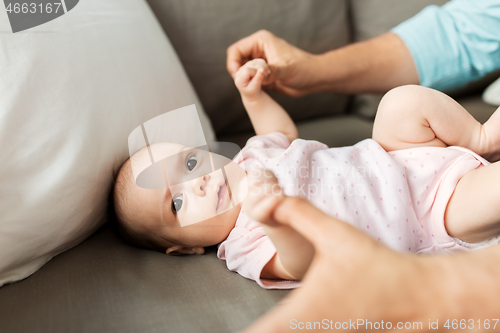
247	250
267	141
271	140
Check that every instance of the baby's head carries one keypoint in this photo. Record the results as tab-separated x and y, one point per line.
194	209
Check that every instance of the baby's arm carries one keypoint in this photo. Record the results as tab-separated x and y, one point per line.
294	252
266	115
415	116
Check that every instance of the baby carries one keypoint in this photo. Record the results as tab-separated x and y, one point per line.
407	187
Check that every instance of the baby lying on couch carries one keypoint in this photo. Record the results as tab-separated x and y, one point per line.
423	184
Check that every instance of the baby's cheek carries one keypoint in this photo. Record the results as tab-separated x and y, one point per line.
237	181
198	209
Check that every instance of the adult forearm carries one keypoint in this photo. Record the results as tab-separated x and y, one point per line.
373	66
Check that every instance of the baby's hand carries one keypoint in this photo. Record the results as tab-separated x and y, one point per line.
248	79
264	195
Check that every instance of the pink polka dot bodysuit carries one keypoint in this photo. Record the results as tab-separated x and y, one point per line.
397	197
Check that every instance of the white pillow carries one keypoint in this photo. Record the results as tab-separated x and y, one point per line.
71	92
492	94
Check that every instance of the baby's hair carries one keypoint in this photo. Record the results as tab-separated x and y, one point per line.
128	228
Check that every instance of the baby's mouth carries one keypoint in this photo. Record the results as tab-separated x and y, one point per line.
222	196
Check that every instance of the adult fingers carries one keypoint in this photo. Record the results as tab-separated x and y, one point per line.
238	52
245	49
302	216
283	89
309	221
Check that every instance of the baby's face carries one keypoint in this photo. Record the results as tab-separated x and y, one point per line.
198	207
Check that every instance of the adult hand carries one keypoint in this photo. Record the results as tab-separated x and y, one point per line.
292	69
352	277
294	252
373	66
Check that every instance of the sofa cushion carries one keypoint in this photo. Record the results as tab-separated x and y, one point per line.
105	285
477	107
202	30
72	90
334	131
492	94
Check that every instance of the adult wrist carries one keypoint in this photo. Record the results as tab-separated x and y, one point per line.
322	73
334	70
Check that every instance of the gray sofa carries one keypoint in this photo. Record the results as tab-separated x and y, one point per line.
105	285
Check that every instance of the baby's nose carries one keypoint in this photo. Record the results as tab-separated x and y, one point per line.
203	183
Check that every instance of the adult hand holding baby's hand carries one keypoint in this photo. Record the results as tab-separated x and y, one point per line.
291	68
248	79
294	252
352	276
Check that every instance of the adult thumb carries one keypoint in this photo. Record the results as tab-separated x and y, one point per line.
306	219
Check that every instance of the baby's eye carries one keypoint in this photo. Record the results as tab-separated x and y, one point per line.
177	204
191	163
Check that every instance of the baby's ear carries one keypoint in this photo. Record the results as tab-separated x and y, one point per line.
178	250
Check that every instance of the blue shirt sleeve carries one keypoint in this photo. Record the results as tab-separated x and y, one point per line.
454	44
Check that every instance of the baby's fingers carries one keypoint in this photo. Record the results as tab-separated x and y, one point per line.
257	80
258	63
244	76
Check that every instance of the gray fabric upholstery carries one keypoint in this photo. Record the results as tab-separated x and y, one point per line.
346	130
476	107
202	30
336	131
104	285
371	18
